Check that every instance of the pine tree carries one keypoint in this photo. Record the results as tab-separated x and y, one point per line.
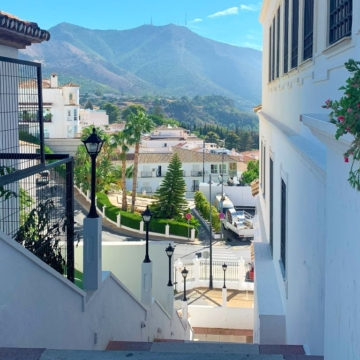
171	192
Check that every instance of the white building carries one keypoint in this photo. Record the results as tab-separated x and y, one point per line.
60	107
167	135
153	167
306	254
90	117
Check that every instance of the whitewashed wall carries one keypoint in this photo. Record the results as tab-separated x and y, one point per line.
316	307
124	260
40	308
221	317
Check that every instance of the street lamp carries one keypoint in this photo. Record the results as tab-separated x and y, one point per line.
146	215
93	146
184	275
224	267
169	252
203	161
210	219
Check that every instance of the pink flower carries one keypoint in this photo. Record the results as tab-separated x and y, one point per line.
349	110
346	159
358	105
341	118
327	102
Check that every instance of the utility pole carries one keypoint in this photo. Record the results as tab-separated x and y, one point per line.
222	186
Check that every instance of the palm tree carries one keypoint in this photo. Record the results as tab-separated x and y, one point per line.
136	125
120	139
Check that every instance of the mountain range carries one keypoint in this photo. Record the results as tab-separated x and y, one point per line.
166	60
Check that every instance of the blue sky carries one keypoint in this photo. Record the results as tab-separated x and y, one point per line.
228	21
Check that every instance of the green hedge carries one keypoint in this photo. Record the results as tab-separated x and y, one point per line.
133	220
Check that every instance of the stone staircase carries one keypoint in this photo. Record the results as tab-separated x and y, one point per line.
166	349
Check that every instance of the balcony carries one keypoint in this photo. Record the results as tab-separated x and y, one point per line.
146	173
146	189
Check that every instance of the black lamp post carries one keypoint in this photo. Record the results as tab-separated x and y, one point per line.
169	252
224	267
184	274
146	215
93	146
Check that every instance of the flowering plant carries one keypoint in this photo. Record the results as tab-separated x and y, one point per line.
345	114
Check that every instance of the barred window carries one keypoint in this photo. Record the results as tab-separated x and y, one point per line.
270	49
283	225
295	34
340	19
263	167
277	42
286	36
273	50
308	29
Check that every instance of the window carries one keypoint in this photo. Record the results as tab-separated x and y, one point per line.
222	169
273	51
271	237
69	115
277	42
214	169
263	167
295	34
283	225
75	114
286	36
164	144
270	49
340	19
308	29
70	96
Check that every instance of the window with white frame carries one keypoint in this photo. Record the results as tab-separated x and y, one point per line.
214	169
222	168
286	36
263	167
308	29
340	21
75	114
295	34
283	225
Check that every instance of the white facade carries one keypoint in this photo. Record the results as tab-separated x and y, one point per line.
306	262
60	107
90	117
153	167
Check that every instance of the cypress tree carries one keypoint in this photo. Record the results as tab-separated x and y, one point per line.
171	192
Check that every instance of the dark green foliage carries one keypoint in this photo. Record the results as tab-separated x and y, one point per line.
171	192
132	109
203	206
88	105
112	111
41	237
251	173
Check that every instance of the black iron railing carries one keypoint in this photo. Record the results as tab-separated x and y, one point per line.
37	210
21	114
340	19
146	174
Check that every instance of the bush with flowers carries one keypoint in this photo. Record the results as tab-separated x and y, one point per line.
345	114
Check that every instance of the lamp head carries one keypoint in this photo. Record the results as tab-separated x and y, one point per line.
169	251
224	267
146	215
184	273
93	144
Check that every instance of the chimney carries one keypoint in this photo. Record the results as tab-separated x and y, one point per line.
53	80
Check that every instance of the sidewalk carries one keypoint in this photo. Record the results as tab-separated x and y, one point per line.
108	226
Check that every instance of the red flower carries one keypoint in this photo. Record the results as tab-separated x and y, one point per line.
346	159
341	118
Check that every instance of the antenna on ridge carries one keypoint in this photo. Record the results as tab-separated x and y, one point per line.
151	21
185	19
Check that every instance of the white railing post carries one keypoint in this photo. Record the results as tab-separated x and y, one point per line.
192	234
196	271
103	211
167	230
178	268
118	220
141	231
88	195
224	297
242	272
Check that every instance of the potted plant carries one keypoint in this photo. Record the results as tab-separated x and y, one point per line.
345	114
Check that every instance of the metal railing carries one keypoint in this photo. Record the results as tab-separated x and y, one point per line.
147	189
21	114
198	173
37	211
190	275
146	174
232	272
